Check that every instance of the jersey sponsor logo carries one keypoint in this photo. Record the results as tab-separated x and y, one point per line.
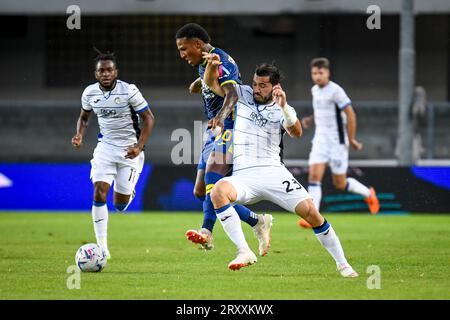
258	119
207	93
108	113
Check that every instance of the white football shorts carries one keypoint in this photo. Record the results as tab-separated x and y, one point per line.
275	184
109	164
327	150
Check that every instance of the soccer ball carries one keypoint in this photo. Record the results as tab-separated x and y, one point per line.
90	258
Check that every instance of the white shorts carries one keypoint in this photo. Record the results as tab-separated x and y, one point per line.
109	164
274	184
325	150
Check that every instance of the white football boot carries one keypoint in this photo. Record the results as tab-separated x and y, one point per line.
347	271
262	232
108	255
102	243
244	258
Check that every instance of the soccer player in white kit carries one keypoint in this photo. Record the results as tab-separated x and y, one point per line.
119	155
335	123
262	118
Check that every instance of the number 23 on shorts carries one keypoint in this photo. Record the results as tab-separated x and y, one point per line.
294	184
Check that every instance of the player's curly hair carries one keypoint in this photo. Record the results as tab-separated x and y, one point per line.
104	56
271	71
193	30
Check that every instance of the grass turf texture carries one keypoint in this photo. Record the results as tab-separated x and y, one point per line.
151	259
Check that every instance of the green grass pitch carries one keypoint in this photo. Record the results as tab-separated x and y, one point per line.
151	259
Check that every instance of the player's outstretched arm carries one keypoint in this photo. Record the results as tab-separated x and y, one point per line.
82	124
291	123
148	122
211	75
295	131
308	121
196	86
351	128
229	101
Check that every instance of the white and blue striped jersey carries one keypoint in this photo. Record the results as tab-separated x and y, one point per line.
258	132
117	111
328	104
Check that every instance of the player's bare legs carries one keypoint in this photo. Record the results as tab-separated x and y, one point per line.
101	190
100	214
316	173
326	235
222	195
307	210
341	182
199	187
121	201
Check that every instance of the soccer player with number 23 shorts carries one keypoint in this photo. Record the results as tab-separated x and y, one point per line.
193	42
263	116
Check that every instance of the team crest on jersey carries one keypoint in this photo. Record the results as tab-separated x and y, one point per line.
270	116
258	119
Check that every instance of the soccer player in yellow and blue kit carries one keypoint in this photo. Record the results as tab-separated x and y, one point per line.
192	42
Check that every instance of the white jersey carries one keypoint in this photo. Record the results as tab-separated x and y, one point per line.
117	111
328	104
258	132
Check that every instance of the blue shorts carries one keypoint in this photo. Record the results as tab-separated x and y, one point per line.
222	143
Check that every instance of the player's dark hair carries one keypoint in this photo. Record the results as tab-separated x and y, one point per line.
193	30
320	63
271	71
104	56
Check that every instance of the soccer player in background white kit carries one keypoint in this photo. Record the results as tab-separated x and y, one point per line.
262	118
119	155
335	123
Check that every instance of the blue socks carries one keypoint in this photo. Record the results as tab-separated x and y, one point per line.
246	215
209	215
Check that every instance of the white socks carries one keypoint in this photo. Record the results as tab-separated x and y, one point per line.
353	186
357	187
315	190
328	238
232	225
100	220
